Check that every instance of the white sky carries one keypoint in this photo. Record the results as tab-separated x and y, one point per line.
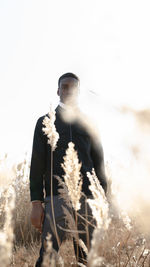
106	43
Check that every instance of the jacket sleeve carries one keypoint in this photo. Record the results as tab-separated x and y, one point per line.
97	156
38	163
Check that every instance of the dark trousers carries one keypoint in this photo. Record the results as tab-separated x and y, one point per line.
85	229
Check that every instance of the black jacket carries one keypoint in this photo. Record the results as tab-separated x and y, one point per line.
90	153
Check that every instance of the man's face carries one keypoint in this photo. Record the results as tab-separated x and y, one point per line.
68	91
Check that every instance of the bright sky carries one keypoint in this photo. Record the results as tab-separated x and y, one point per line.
106	43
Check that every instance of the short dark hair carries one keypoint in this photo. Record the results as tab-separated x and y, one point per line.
68	75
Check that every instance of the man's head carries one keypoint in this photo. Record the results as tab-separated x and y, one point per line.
68	88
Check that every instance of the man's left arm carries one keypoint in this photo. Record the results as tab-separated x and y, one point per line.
97	156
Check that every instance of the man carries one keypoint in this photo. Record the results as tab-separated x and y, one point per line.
90	154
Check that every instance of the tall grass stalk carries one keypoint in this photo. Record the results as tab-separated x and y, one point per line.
53	136
73	181
100	208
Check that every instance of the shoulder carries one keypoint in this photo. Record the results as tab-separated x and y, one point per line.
39	122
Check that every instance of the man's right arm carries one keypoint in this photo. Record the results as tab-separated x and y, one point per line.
37	171
38	163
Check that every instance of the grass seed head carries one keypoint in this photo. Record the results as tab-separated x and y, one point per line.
50	129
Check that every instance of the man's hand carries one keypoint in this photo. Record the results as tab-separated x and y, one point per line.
37	215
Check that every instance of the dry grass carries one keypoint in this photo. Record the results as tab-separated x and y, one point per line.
123	244
25	256
118	247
